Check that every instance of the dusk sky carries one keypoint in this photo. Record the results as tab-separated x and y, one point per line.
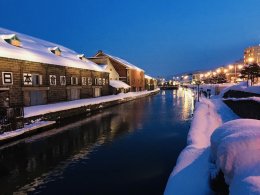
162	37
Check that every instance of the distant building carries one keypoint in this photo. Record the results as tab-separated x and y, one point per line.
252	55
150	83
128	73
34	72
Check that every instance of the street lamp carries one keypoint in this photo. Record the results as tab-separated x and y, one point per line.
198	89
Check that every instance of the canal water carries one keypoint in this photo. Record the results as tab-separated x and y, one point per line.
127	149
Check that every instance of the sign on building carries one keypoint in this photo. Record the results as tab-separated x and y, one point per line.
63	80
84	80
27	79
52	79
7	78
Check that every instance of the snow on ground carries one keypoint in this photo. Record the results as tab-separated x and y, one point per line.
235	149
26	129
48	108
192	171
243	86
256	99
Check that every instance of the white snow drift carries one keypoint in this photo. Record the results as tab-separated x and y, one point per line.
235	148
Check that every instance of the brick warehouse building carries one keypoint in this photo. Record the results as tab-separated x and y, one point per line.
128	73
33	72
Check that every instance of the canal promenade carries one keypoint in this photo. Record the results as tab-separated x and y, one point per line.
37	115
215	140
194	159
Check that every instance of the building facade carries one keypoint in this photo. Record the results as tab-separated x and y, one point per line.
252	55
35	72
128	73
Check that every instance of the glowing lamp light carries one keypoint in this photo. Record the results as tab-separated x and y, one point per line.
250	60
214	73
230	67
225	70
218	70
240	66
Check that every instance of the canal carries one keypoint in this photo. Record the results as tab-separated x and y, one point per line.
127	149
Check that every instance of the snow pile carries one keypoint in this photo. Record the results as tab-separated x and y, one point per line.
235	149
243	86
48	108
193	161
37	50
118	84
256	99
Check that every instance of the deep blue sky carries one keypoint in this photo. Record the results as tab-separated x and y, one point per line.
162	36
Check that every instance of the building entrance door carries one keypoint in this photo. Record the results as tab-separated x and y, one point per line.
97	92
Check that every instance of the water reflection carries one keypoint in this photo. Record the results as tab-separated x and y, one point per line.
158	126
35	160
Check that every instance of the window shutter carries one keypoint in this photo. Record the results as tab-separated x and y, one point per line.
40	79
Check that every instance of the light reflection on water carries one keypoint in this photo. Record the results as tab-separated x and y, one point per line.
139	139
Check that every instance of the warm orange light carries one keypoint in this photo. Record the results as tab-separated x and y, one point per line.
230	67
225	70
240	66
250	60
218	70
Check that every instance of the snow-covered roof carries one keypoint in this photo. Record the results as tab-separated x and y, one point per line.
37	50
147	76
118	84
123	62
9	36
103	66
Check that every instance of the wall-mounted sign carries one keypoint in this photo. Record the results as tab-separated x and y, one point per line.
27	79
63	80
7	78
52	79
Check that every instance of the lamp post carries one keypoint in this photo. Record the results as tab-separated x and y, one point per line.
198	89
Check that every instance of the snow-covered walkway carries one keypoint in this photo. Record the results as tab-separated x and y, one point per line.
48	108
192	171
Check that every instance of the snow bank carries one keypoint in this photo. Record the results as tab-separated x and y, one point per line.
242	87
256	99
192	171
235	149
48	108
37	50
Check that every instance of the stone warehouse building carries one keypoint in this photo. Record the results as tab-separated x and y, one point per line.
121	69
34	72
